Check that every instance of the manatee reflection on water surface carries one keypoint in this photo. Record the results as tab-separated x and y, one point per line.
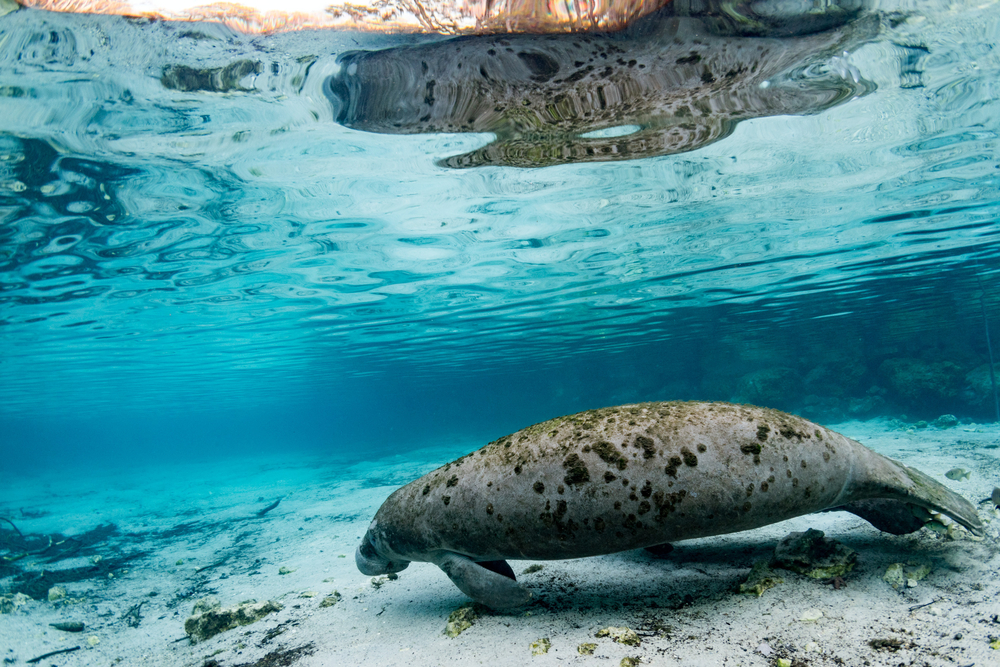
667	85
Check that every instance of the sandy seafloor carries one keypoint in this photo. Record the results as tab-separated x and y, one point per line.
189	530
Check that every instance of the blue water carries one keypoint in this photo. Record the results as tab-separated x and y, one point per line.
186	272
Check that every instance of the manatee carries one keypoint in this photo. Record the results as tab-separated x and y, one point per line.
636	476
666	85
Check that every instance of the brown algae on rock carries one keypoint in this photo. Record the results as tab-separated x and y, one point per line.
900	575
11	603
815	556
214	619
330	600
760	578
540	646
621	635
461	620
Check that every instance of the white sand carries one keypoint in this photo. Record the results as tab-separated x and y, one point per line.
683	606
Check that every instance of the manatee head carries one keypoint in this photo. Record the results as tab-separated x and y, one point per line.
372	560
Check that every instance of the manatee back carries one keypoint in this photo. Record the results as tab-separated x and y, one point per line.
621	478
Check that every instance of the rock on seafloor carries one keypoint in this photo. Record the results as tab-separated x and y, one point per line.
210	618
814	555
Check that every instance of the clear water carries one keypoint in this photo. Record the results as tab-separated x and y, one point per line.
185	271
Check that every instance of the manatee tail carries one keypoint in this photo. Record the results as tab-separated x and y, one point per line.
490	583
938	498
909	508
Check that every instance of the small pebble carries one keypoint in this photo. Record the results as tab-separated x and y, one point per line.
811	615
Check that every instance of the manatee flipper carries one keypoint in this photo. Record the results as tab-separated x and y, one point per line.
498	566
660	550
904	508
890	516
492	588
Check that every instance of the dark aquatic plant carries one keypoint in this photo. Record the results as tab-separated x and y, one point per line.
667	85
989	346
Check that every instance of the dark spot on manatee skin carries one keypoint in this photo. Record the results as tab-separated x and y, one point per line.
576	470
784	458
702	449
819	436
517	469
751	448
609	477
749	489
747	506
764	486
599	524
610	454
644	507
647	446
618	504
427	489
452	481
647	489
560	489
689	458
788	433
633	497
539	487
624	482
446	499
500	518
808	492
795	481
489	508
674	462
826	456
762	432
803	463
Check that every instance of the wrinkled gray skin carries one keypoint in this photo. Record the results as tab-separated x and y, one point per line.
636	476
675	80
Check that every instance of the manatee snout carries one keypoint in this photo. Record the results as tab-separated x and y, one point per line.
371	562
